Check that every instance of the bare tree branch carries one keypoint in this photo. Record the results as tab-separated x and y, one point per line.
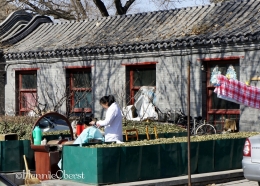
102	8
82	9
120	9
128	4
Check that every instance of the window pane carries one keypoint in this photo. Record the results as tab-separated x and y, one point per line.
29	81
224	67
28	100
211	119
233	116
82	99
82	80
218	103
145	77
217	121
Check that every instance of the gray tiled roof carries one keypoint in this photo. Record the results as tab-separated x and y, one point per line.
222	23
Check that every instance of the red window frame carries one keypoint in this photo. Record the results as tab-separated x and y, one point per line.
21	109
209	88
132	67
72	89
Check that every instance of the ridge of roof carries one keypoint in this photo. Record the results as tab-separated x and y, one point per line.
12	19
26	30
221	23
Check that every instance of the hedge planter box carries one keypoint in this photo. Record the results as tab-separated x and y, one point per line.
55	136
11	155
134	163
206	156
141	136
160	135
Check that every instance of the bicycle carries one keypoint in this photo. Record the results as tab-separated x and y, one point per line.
205	129
197	125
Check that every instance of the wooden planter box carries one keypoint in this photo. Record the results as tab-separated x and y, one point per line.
126	164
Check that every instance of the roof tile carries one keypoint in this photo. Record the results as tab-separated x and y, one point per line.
235	21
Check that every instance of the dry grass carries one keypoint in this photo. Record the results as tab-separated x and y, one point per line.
200	29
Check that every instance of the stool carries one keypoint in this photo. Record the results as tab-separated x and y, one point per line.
147	132
127	136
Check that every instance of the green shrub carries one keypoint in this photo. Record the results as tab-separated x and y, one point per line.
179	139
21	125
160	127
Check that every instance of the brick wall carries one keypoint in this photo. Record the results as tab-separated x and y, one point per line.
109	77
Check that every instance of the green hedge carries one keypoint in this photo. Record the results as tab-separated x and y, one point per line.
22	126
176	139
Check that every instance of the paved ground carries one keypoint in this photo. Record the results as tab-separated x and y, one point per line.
205	179
222	178
243	182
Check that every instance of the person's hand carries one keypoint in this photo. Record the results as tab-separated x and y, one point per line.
94	123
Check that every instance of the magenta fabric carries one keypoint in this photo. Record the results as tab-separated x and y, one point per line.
238	92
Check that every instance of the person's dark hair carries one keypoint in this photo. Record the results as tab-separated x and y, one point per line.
107	99
87	118
87	121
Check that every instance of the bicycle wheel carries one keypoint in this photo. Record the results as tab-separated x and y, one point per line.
205	129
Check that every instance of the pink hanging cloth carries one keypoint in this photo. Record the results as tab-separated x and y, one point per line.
238	92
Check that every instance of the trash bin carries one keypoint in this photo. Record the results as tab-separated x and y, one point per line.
7	137
46	161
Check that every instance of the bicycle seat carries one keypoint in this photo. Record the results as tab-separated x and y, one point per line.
198	118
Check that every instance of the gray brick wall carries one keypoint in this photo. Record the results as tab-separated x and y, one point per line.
109	77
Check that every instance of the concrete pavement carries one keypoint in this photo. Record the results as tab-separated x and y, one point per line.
243	182
205	179
196	179
221	178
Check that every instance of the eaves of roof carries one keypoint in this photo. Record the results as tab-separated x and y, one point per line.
215	24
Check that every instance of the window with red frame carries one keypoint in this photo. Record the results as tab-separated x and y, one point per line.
219	109
138	76
80	83
27	90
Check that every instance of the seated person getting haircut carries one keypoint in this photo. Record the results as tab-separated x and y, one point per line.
89	133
